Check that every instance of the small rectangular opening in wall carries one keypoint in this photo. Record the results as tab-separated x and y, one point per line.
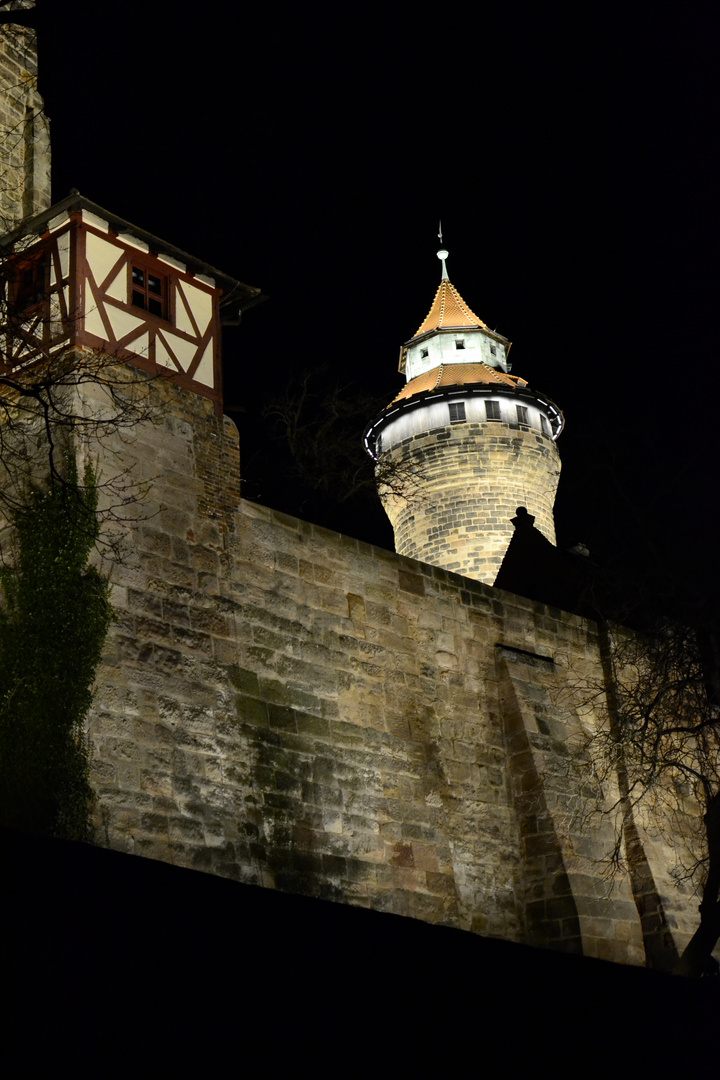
522	414
492	410
149	292
457	411
28	281
523	654
459	344
544	425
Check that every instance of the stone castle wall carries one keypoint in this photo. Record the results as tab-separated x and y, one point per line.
286	706
452	492
24	129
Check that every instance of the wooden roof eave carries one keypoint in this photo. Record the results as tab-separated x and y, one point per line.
237	296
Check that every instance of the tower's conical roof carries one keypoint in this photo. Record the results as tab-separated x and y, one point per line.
449	310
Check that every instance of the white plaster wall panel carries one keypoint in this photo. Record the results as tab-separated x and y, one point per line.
93	319
199	303
122	322
139	345
63	247
56	326
205	372
183	351
162	356
101	257
182	314
117	287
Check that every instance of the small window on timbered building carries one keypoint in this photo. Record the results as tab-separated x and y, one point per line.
149	292
29	283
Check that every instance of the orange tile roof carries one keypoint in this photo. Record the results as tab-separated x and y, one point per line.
457	375
449	310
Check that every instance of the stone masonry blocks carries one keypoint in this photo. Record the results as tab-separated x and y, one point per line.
453	492
286	706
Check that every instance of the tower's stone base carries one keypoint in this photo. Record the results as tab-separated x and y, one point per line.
451	493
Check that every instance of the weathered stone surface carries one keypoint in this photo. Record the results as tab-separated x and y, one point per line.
454	491
25	144
290	707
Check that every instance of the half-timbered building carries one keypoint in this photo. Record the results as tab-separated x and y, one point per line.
77	276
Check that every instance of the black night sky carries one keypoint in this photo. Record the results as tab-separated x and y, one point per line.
570	153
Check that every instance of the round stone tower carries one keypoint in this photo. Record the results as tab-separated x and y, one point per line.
463	444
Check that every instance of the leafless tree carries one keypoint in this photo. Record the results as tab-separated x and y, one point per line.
321	420
55	400
657	742
77	403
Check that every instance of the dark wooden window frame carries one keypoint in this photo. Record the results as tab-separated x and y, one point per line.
29	283
149	289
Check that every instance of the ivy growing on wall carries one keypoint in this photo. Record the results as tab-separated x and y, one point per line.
54	616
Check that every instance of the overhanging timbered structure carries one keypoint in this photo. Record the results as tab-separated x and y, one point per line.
77	276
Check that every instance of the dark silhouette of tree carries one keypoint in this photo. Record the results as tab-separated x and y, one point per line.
660	735
53	620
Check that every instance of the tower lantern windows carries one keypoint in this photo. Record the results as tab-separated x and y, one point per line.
459	344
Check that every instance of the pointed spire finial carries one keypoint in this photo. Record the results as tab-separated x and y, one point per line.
442	254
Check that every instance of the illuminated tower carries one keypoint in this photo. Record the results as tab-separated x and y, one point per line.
463	444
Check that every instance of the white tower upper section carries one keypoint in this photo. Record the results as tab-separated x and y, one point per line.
451	333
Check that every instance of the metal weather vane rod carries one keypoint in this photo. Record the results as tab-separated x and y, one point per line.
442	253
